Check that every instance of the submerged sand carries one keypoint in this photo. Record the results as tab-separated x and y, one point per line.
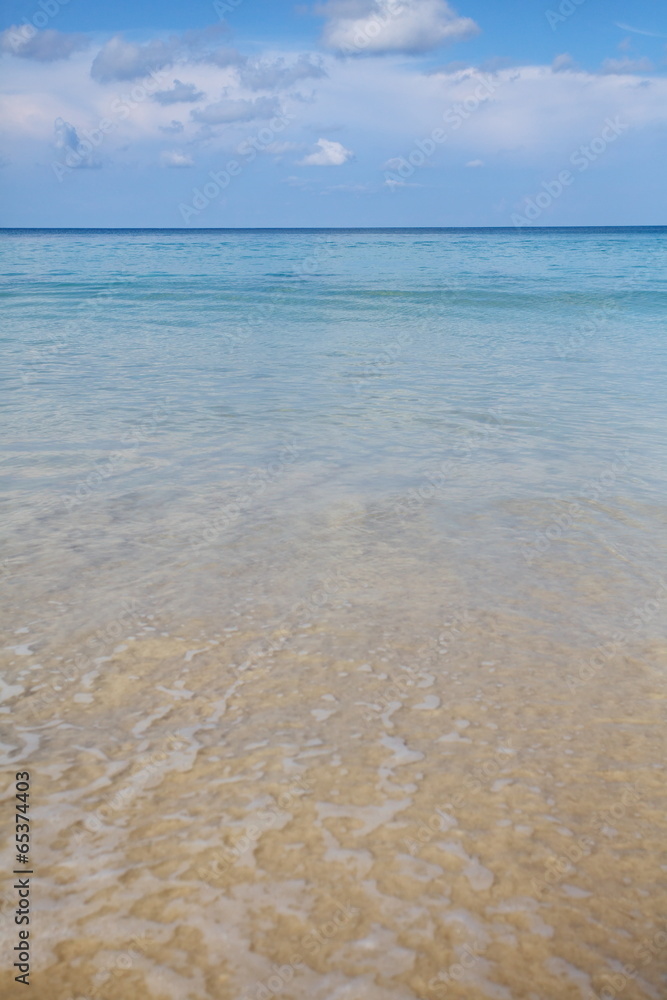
345	805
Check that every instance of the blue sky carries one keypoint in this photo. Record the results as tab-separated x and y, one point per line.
336	113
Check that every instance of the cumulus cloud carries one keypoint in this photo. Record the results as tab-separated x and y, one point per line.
279	73
511	120
375	27
484	116
328	154
26	42
627	65
563	63
180	93
175	158
227	111
77	151
173	127
122	60
224	57
455	66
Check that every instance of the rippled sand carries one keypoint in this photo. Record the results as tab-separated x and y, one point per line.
336	804
335	602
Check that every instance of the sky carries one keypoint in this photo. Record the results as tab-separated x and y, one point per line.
267	113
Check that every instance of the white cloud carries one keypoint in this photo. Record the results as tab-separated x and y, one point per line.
26	42
69	143
626	65
563	63
173	127
535	115
226	111
328	154
376	27
175	158
527	116
280	73
121	60
180	93
224	57
475	163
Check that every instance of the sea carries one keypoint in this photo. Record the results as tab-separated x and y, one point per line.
334	643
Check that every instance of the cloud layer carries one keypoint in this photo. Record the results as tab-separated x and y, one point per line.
26	42
123	60
242	110
378	27
180	93
171	108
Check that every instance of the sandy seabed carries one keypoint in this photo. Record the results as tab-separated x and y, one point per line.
344	806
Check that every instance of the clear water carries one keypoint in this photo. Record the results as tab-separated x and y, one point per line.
366	528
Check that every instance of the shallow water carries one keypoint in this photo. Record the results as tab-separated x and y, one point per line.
336	576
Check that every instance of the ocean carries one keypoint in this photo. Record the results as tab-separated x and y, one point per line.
335	576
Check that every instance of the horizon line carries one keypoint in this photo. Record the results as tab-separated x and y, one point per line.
231	229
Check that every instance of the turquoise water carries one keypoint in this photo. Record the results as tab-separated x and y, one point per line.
153	378
365	526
